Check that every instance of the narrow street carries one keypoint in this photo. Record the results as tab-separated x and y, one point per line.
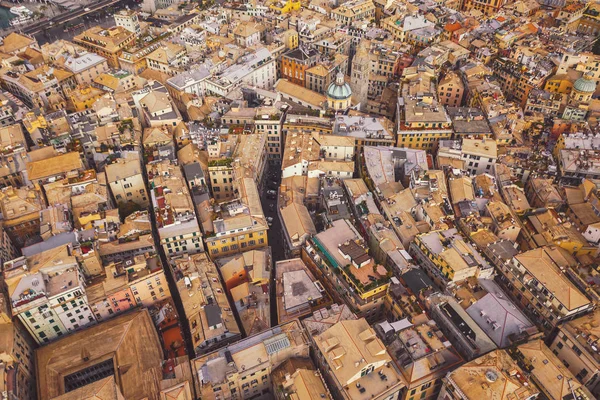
272	175
183	321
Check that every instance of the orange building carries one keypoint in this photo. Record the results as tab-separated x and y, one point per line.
451	90
294	64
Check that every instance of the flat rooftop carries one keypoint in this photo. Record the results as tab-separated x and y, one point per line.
299	289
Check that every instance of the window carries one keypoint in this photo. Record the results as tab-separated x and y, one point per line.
582	374
367	370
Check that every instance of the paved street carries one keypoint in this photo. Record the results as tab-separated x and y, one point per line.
58	32
275	234
50	29
276	241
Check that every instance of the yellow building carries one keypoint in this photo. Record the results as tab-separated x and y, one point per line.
240	224
83	98
569	238
228	239
290	39
446	257
422	141
221	180
560	83
251	363
287	7
423	121
34	120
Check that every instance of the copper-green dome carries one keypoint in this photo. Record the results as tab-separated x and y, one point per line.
339	90
585	84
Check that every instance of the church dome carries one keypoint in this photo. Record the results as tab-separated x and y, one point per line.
339	90
585	84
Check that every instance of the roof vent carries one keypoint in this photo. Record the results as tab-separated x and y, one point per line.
491	376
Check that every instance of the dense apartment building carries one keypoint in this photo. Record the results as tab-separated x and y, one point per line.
341	251
20	209
355	362
47	294
535	279
479	156
487	8
296	62
422	120
257	69
108	43
495	372
205	303
13	146
17	353
293	304
126	182
546	369
450	90
178	229
270	120
319	77
352	11
128	19
517	80
575	345
366	131
238	225
448	258
249	363
420	354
